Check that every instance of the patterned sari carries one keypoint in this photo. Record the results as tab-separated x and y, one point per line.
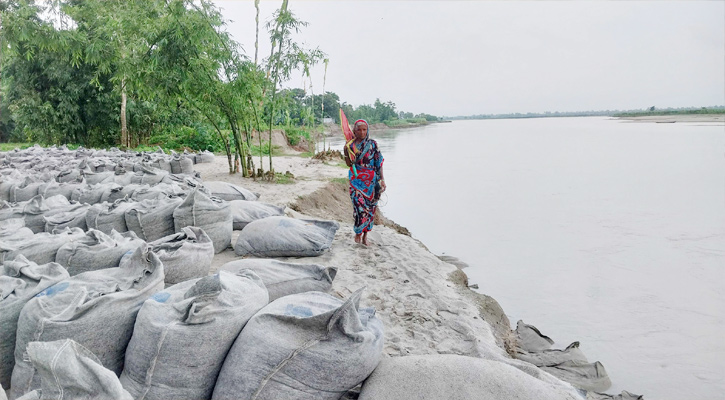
368	162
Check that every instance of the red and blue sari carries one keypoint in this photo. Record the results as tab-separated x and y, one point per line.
364	185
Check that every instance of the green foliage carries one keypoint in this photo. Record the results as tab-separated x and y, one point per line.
196	138
294	134
283	179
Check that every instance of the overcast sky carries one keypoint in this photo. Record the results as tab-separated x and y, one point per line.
478	57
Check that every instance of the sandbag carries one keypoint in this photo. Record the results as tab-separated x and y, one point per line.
97	309
12	233
96	251
107	217
121	192
159	191
24	191
71	217
93	178
38	208
309	345
285	237
205	157
69	175
69	371
552	356
211	214
581	374
93	194
625	395
455	377
41	248
181	165
53	188
20	281
152	219
183	334
244	212
283	278
531	339
151	176
227	191
185	255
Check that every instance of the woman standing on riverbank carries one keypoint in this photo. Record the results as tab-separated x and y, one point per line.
366	178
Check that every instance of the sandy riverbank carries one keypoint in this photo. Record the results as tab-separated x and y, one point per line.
423	301
688	118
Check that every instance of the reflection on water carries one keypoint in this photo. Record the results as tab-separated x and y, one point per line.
607	232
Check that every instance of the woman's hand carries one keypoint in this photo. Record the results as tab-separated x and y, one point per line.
382	185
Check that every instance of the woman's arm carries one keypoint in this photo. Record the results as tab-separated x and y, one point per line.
382	180
347	157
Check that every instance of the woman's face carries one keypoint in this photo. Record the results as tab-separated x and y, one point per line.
361	131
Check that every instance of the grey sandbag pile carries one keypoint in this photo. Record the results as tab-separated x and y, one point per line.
42	247
183	334
152	219
107	217
96	251
244	212
35	210
227	191
185	255
569	365
285	237
309	345
211	214
180	164
455	377
121	192
283	278
96	309
69	371
20	281
150	176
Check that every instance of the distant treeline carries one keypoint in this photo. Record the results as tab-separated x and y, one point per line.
610	113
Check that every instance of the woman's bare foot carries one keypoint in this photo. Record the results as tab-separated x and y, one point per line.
365	239
357	238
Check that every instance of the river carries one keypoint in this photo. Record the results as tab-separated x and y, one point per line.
607	232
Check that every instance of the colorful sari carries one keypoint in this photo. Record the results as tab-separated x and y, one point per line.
364	185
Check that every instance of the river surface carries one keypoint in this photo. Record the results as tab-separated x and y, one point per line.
607	232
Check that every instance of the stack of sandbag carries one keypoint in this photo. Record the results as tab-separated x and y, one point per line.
309	345
150	176
20	281
53	188
152	219
569	365
42	247
23	191
284	278
244	212
36	210
158	191
107	217
285	237
455	377
229	192
69	371
97	309
183	334
96	251
185	255
93	194
211	214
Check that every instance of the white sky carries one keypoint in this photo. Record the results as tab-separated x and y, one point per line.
452	58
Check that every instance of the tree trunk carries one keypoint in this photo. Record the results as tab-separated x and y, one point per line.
256	37
124	132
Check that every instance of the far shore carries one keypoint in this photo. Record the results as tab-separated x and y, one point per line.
689	118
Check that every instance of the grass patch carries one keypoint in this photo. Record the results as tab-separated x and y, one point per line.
283	179
264	150
338	180
13	146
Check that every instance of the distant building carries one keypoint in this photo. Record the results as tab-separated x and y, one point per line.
327	120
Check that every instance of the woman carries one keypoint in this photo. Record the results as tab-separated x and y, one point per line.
366	178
